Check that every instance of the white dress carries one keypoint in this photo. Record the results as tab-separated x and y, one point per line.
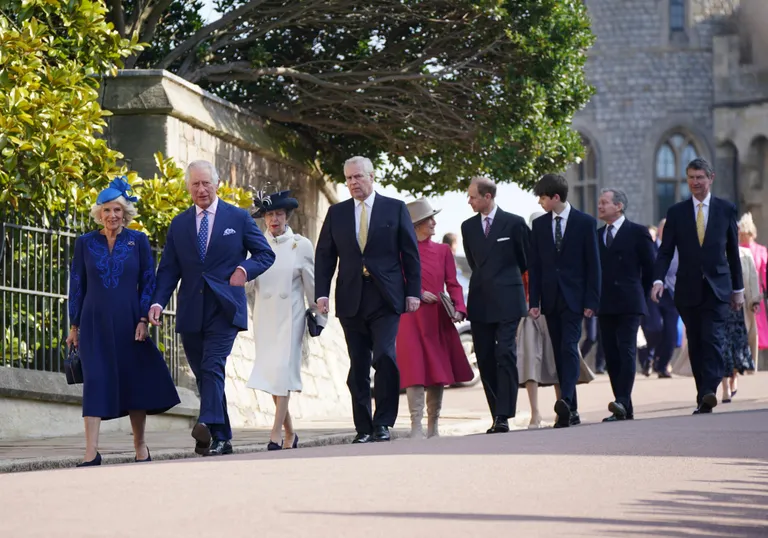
279	319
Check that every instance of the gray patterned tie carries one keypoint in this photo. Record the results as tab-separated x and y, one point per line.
558	234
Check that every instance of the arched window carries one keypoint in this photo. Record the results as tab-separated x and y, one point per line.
672	158
583	180
676	16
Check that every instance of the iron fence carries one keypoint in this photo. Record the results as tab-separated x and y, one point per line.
34	286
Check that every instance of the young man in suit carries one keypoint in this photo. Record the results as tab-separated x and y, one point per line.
703	229
496	245
372	240
564	280
626	259
207	248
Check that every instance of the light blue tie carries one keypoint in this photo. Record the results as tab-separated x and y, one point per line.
202	236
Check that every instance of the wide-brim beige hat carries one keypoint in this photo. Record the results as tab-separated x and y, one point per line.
421	209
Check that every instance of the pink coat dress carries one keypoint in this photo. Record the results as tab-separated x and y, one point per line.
760	255
429	350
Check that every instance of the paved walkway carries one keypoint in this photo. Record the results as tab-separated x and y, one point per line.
464	412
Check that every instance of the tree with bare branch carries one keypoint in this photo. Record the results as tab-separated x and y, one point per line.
442	89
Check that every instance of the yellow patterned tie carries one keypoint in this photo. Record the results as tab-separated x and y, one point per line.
700	223
362	236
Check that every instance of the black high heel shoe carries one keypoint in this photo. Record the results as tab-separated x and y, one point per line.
295	441
149	458
274	446
95	461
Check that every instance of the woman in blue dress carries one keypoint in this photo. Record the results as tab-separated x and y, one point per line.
112	279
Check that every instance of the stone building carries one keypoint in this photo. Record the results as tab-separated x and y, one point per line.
675	79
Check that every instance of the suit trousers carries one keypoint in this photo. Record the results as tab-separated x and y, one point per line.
705	329
565	332
496	352
370	340
619	334
207	352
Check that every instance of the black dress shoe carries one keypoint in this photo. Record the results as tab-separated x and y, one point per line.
361	438
647	369
380	434
219	448
708	402
202	435
563	414
575	419
94	462
613	418
618	410
665	375
500	425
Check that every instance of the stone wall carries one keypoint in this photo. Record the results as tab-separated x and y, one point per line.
157	111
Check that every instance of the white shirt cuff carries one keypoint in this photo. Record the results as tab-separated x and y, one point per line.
243	270
658	282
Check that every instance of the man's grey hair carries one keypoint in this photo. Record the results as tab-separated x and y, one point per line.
365	162
203	165
619	197
485	185
700	164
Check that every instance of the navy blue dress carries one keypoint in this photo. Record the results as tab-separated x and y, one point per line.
108	294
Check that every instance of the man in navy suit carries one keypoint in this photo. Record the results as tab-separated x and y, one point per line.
372	240
703	230
626	259
564	283
206	248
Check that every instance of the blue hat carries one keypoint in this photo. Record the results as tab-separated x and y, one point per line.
273	202
118	187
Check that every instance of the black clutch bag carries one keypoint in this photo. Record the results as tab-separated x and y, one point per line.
73	369
312	327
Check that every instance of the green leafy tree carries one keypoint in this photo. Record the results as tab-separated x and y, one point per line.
442	89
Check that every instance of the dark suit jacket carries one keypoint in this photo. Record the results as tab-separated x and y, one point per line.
627	270
717	260
496	291
574	271
391	255
234	235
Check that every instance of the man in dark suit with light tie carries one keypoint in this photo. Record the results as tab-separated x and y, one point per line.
626	258
703	230
496	245
372	239
564	280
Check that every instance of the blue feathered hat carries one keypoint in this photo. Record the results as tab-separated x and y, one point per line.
273	202
117	188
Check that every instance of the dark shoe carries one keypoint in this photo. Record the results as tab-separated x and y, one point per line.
665	375
380	434
202	435
575	419
500	425
274	446
295	441
94	462
600	372
709	400
361	438
219	448
149	458
733	393
647	369
618	410
613	418
563	414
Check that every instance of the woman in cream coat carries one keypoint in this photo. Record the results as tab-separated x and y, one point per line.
279	313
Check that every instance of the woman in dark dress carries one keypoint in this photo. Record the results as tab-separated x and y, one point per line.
112	279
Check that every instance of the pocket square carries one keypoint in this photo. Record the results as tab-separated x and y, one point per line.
229	231
502	239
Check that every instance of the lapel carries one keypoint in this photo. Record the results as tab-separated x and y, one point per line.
601	233
190	226
622	231
377	216
496	225
348	211
709	229
569	225
691	210
486	244
218	225
547	227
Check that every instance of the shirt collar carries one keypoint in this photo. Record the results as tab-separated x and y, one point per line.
211	208
618	223
492	214
706	201
368	201
566	212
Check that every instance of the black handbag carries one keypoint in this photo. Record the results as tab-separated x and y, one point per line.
73	369
312	327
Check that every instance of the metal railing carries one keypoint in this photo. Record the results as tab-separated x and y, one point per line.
34	285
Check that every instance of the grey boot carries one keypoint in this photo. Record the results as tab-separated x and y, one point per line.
416	407
434	404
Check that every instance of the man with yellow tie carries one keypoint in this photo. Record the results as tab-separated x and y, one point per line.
372	239
704	231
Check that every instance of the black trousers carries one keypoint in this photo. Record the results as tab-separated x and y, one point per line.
660	329
370	339
619	334
705	329
496	351
593	337
565	332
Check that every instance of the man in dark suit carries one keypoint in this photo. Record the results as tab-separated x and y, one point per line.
206	248
371	237
703	230
564	283
496	245
626	259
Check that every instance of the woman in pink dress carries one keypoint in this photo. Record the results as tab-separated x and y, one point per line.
747	237
429	351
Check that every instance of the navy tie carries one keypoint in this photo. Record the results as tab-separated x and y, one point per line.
202	236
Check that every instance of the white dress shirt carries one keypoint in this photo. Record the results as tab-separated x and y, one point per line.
564	220
491	216
616	226
211	210
359	209
705	208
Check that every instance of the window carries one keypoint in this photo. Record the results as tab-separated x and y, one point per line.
672	158
583	182
676	16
